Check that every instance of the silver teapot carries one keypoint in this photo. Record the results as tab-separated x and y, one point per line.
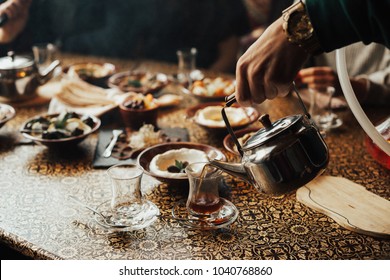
280	157
19	77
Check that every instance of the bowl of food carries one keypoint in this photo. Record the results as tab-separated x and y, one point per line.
93	73
138	109
208	115
59	130
212	89
138	81
242	136
7	112
166	162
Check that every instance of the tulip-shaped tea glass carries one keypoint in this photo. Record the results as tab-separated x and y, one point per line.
203	197
323	116
128	207
186	65
44	55
204	208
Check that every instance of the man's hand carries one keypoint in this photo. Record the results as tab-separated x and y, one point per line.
268	67
319	78
17	12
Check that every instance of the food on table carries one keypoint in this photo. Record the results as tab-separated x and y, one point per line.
142	82
160	163
140	102
79	93
218	87
211	116
6	113
179	167
129	144
137	110
145	137
167	100
90	70
65	125
3	112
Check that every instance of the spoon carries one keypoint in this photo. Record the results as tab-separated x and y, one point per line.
106	219
107	222
108	151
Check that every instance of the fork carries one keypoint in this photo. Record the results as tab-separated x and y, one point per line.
108	150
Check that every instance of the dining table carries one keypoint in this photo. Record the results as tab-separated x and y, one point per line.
39	221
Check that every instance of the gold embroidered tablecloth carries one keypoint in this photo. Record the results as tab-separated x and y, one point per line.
37	219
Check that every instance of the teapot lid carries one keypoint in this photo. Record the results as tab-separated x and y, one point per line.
14	62
270	130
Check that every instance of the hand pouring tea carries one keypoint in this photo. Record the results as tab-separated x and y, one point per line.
282	156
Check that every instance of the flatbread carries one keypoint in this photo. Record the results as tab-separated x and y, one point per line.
81	94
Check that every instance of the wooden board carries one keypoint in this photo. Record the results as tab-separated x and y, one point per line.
349	204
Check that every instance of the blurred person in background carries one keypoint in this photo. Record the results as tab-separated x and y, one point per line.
148	29
368	67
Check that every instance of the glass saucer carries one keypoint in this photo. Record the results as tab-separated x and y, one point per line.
144	218
328	122
226	216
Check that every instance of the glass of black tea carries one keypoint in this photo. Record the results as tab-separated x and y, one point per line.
203	198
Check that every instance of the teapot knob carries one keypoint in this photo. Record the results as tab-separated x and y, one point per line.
265	121
11	54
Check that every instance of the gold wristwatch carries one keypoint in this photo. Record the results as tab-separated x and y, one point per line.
299	29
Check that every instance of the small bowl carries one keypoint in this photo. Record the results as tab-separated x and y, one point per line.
148	154
220	88
136	118
138	81
193	112
63	142
7	113
228	141
91	72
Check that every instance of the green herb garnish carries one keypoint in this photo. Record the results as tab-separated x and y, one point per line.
134	83
179	167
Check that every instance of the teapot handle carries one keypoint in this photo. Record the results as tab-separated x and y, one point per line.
231	99
300	101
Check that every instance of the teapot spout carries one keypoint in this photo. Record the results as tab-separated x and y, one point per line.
234	169
47	73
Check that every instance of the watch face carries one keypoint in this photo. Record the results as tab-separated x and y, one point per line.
299	27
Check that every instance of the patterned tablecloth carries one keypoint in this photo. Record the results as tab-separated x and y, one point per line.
37	218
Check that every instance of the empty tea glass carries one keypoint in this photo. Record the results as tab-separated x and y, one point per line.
44	55
128	207
323	116
186	64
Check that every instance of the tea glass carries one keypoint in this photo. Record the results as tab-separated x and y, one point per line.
323	115
186	64
203	198
204	209
128	207
44	54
